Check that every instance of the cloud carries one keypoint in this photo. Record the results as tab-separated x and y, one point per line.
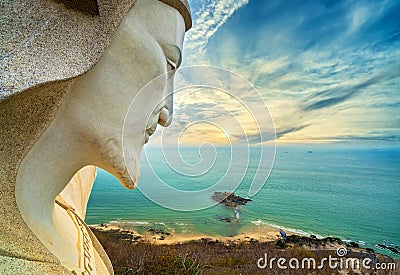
364	13
384	137
326	70
208	18
331	97
283	132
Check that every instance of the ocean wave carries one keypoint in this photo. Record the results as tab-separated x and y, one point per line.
359	242
362	243
297	231
130	222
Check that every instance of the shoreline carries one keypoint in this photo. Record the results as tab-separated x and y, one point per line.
251	233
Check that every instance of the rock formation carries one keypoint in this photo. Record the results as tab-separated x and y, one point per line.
229	199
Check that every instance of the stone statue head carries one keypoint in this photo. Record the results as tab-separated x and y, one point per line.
68	75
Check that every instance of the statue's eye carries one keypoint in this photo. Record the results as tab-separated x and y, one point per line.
173	56
172	66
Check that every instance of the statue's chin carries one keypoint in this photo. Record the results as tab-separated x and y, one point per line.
117	166
129	180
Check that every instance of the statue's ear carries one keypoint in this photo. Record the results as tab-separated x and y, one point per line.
86	6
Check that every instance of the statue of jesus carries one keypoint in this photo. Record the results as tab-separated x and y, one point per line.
66	87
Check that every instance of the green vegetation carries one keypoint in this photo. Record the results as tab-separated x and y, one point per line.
205	257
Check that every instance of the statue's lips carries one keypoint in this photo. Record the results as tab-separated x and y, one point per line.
149	132
150	128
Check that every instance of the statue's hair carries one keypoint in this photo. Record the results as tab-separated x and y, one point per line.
47	41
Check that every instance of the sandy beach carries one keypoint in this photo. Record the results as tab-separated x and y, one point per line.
252	233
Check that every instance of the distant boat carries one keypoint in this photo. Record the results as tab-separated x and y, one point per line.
310	152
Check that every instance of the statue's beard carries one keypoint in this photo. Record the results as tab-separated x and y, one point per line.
114	163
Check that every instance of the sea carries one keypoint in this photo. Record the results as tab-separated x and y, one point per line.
348	191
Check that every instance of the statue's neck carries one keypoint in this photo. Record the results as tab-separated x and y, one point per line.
47	169
43	174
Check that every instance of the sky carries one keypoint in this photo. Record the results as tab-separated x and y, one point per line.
328	70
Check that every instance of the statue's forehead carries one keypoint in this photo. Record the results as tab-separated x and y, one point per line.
183	7
164	23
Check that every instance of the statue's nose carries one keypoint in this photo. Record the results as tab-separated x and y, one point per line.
165	117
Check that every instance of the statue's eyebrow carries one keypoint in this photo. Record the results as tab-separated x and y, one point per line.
173	54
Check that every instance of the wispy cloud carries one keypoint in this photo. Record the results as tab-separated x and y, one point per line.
208	18
331	97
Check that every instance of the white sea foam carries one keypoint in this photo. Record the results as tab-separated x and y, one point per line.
362	243
138	223
258	222
130	222
297	231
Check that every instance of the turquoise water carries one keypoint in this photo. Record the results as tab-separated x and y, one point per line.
351	193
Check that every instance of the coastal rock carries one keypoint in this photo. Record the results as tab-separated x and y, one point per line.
158	231
229	199
394	250
227	219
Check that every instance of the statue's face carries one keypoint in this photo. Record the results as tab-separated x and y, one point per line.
147	44
89	125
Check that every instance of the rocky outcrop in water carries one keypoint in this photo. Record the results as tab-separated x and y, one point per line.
229	199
